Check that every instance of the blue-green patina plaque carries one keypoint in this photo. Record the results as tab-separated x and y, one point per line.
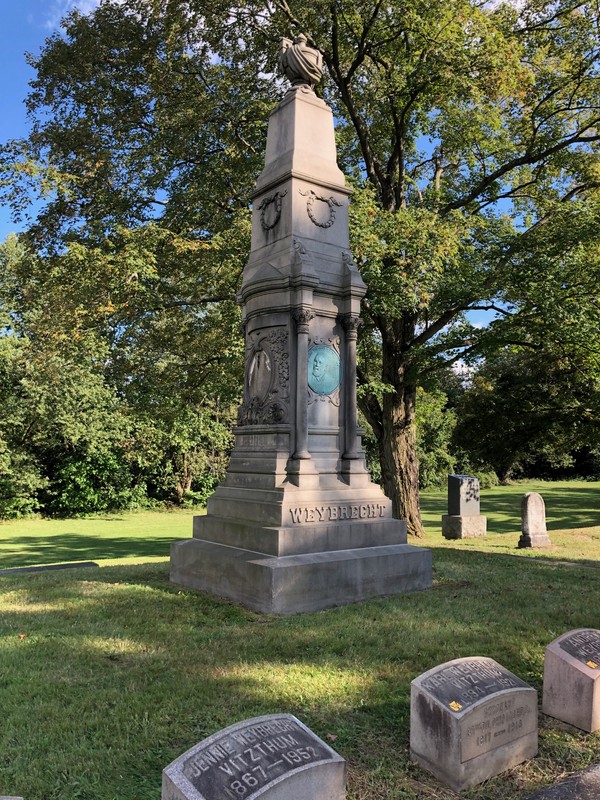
324	369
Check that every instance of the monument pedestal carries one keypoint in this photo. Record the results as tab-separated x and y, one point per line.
297	524
292	584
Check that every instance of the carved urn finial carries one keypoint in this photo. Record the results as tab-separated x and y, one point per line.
300	64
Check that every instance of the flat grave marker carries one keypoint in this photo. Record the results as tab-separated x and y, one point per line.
572	679
470	720
273	757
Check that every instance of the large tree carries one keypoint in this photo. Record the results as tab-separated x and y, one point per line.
470	130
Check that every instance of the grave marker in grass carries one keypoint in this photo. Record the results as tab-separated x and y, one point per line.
273	757
471	719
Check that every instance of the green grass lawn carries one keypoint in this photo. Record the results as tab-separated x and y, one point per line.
107	675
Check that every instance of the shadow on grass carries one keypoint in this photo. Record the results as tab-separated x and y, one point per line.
40	550
200	663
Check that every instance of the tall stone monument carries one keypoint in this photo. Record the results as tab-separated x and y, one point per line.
297	524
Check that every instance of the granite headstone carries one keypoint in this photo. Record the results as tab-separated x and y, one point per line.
274	757
470	720
572	679
463	520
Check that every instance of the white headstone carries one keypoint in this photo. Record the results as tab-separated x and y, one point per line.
572	679
533	521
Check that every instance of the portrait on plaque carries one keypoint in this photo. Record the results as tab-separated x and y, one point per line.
324	369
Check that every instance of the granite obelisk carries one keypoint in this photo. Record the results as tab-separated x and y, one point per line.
297	524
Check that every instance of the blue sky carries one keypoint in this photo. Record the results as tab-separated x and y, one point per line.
25	26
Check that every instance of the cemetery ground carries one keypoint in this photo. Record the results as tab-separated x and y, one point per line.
107	675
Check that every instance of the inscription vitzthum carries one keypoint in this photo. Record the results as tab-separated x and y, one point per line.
459	686
241	762
584	646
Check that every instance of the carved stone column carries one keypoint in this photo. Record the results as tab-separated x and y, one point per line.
351	324
302	316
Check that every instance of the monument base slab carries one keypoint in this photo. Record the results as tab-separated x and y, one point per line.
299	583
463	526
534	540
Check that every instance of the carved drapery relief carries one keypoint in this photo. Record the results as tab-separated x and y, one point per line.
315	214
270	210
299	63
324	370
267	379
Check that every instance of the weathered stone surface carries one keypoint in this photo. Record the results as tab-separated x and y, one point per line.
463	527
470	720
584	785
300	583
274	757
572	679
533	521
463	496
297	486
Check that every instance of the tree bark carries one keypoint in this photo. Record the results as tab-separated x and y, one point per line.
398	457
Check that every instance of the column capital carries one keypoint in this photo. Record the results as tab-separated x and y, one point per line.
302	316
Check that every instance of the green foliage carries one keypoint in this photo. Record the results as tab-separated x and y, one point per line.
98	482
529	406
470	131
435	425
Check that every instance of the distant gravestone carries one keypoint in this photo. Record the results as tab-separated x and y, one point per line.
471	719
572	679
533	521
274	757
463	520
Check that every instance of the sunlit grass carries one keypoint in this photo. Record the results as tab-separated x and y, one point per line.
107	675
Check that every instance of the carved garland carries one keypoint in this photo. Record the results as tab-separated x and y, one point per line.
329	201
275	199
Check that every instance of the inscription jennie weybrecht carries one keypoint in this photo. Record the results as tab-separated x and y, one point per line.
241	760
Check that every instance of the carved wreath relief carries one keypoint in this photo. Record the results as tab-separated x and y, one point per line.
270	210
324	370
267	379
316	211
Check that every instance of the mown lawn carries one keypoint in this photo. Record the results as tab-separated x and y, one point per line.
107	675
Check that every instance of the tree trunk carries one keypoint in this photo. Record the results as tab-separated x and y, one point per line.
398	457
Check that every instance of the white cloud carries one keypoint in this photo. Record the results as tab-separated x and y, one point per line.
58	9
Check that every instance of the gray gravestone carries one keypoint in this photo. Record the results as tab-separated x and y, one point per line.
533	521
583	785
274	757
297	524
463	520
572	679
471	719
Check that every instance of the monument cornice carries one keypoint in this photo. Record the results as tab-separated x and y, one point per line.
302	176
